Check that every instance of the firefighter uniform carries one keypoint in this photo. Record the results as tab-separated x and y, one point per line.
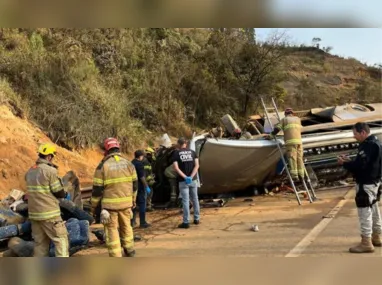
114	187
291	126
43	189
150	181
172	175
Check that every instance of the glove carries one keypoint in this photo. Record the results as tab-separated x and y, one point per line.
67	196
148	190
105	217
188	180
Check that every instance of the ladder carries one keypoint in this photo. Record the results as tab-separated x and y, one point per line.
310	192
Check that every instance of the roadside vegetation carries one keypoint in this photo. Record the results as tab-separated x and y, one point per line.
82	85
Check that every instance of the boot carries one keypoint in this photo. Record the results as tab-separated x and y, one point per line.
376	239
364	246
129	253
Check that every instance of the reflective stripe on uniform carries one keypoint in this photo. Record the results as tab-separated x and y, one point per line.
56	186
116	157
148	167
97	182
39	188
95	200
114	250
293	141
118	180
44	215
292	126
112	243
117	200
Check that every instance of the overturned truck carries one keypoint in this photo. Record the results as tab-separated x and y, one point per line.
228	165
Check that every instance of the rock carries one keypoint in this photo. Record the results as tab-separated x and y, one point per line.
3	140
248	200
4	173
5	161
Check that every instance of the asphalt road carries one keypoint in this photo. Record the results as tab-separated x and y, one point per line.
285	229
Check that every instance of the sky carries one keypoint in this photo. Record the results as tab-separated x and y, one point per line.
367	13
364	44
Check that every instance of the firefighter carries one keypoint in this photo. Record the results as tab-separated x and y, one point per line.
366	169
148	164
115	186
291	126
44	188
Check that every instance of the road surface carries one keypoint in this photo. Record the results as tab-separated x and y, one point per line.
327	227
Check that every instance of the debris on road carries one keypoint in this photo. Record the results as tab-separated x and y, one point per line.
255	228
211	203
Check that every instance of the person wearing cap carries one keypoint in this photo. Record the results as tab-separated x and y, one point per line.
44	189
186	164
291	126
115	188
143	189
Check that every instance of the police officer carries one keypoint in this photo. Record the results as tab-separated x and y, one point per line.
143	189
366	169
291	126
186	164
148	163
115	187
44	188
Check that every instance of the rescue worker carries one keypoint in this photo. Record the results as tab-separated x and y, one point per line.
366	169
44	188
115	187
291	126
143	189
172	176
148	162
216	132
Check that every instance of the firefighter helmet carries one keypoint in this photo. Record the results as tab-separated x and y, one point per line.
149	150
110	143
46	149
288	111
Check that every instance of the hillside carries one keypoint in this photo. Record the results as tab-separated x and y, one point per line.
19	140
316	78
77	87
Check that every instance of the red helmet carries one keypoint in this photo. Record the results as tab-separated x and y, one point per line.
288	111
110	143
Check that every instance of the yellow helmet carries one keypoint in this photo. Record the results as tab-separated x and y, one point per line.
149	150
46	149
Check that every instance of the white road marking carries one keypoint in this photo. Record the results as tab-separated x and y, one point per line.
312	235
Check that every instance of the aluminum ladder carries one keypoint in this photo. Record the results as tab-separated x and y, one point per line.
311	194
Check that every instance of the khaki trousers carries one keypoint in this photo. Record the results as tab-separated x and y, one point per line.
295	160
50	230
119	219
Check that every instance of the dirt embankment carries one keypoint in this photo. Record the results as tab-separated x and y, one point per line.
19	140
